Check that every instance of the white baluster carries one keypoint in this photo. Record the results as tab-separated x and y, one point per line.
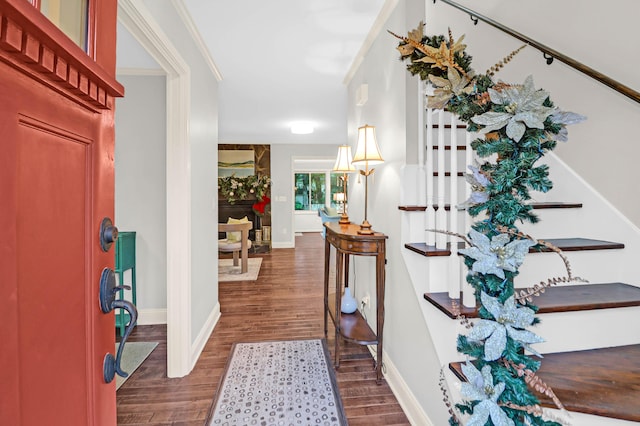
468	297
430	212
441	216
422	191
454	277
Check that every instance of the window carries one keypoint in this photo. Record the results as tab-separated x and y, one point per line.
311	190
68	15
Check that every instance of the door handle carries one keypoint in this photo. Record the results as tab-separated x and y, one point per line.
108	234
108	303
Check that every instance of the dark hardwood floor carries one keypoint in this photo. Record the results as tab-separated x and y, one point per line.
284	303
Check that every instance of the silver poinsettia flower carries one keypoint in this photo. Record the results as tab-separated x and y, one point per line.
523	107
446	88
510	320
564	118
478	182
479	387
496	255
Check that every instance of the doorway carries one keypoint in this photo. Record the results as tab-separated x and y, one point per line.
140	24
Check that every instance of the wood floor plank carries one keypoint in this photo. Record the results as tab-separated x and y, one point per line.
285	302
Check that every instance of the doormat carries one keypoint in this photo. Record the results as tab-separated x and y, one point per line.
228	272
133	354
288	382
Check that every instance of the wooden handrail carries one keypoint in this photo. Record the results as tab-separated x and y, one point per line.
550	53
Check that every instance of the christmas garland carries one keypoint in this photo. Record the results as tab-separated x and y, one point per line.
519	124
233	188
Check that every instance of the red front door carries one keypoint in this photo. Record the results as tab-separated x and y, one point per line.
56	185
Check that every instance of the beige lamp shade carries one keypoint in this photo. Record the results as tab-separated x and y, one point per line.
367	150
344	159
339	197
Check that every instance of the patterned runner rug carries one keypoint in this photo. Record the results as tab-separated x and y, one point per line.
289	382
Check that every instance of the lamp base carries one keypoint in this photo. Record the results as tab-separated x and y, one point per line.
344	219
365	228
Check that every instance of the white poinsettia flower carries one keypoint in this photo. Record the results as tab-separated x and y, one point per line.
564	118
480	387
478	181
496	255
509	319
523	107
446	88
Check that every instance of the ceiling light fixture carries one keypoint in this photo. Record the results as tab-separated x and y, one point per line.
302	128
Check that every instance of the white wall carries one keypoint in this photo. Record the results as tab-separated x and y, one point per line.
604	149
140	185
282	208
203	139
406	339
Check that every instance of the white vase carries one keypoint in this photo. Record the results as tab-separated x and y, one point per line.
349	303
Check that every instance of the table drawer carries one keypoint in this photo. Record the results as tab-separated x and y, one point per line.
354	246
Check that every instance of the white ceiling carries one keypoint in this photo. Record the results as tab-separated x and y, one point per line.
281	61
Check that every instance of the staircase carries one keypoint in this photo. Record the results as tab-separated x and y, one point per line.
592	330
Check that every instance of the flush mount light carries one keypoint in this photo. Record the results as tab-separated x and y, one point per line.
302	128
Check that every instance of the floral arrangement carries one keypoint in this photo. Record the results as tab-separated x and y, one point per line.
234	188
519	124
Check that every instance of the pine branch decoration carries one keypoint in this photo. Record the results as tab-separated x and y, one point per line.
531	409
446	399
519	124
483	99
560	253
454	234
535	382
464	321
548	245
494	69
527	294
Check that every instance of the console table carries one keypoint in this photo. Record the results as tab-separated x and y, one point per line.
125	260
353	327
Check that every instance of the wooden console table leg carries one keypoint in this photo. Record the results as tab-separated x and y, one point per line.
380	282
339	274
327	255
346	273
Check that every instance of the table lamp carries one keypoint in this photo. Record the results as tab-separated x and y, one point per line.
343	164
367	154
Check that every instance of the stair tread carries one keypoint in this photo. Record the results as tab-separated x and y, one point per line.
536	206
448	147
567	298
602	382
431	251
565	244
422	208
448	126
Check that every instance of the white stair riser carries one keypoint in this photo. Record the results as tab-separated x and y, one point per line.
563	332
599	328
596	266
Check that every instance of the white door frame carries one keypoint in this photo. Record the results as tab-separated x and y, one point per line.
140	23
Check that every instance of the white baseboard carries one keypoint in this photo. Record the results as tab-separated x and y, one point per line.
203	335
284	244
152	316
406	399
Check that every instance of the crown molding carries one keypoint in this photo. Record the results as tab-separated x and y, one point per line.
197	37
387	9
